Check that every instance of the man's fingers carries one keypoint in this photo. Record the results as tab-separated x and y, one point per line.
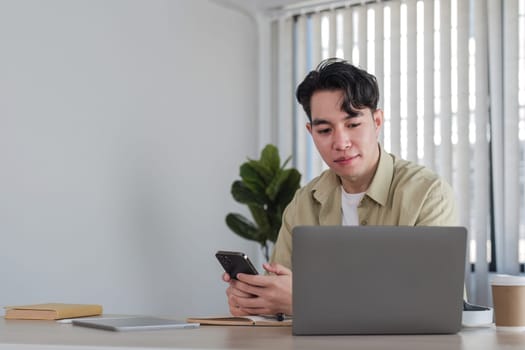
237	292
248	303
237	311
226	277
256	311
253	280
277	269
247	306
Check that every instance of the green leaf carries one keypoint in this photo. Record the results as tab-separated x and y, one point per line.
260	216
255	175
277	222
275	217
276	186
270	158
286	162
242	194
288	187
243	227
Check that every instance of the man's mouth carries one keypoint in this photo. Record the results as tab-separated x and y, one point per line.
346	159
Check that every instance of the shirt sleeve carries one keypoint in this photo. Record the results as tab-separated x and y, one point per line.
439	207
282	252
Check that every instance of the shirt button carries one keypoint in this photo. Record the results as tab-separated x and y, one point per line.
364	223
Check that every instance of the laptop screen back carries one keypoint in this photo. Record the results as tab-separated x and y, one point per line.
378	279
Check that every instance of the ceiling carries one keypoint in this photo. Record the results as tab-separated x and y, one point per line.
265	6
275	4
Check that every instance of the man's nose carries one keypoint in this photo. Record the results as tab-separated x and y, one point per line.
341	140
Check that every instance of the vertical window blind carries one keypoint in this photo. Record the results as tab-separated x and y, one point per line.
451	75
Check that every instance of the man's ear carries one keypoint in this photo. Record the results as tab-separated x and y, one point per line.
309	127
377	115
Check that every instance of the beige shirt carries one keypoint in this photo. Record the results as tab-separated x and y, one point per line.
402	193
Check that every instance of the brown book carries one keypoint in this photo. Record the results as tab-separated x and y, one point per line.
271	321
51	311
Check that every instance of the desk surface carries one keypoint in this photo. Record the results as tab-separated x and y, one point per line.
20	334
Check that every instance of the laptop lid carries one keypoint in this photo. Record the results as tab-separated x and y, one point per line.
378	279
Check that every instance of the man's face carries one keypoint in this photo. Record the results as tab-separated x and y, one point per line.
347	144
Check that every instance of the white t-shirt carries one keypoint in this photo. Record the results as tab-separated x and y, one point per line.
349	203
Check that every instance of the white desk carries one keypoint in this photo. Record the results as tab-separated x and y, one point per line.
18	334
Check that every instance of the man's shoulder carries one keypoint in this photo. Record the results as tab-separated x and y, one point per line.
326	180
408	169
318	190
417	178
323	191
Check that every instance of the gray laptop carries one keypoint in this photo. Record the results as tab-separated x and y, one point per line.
378	279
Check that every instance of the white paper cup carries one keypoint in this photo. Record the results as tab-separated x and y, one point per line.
508	296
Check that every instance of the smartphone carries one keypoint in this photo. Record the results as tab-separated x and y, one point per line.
235	262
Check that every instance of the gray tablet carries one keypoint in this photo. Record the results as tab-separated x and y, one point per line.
135	323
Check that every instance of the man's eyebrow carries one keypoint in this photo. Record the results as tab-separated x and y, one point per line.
321	121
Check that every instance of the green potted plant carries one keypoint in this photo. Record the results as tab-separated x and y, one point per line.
266	187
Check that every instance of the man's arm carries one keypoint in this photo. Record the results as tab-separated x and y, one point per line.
439	207
270	293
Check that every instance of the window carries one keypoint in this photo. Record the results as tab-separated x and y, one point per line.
450	103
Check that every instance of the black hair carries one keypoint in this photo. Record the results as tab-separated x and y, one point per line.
359	87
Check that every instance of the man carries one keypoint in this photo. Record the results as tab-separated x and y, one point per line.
364	185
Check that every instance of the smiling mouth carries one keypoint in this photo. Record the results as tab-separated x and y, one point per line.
346	159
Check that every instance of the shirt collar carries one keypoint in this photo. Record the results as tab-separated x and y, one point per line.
327	191
380	185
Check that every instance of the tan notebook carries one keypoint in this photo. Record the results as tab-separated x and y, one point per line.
51	311
242	321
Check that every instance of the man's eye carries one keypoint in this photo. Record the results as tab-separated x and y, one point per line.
353	125
323	131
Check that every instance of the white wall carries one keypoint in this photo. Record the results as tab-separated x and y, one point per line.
122	126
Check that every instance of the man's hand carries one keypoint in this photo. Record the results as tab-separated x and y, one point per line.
261	294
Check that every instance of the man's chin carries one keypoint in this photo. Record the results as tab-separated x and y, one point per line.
348	175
